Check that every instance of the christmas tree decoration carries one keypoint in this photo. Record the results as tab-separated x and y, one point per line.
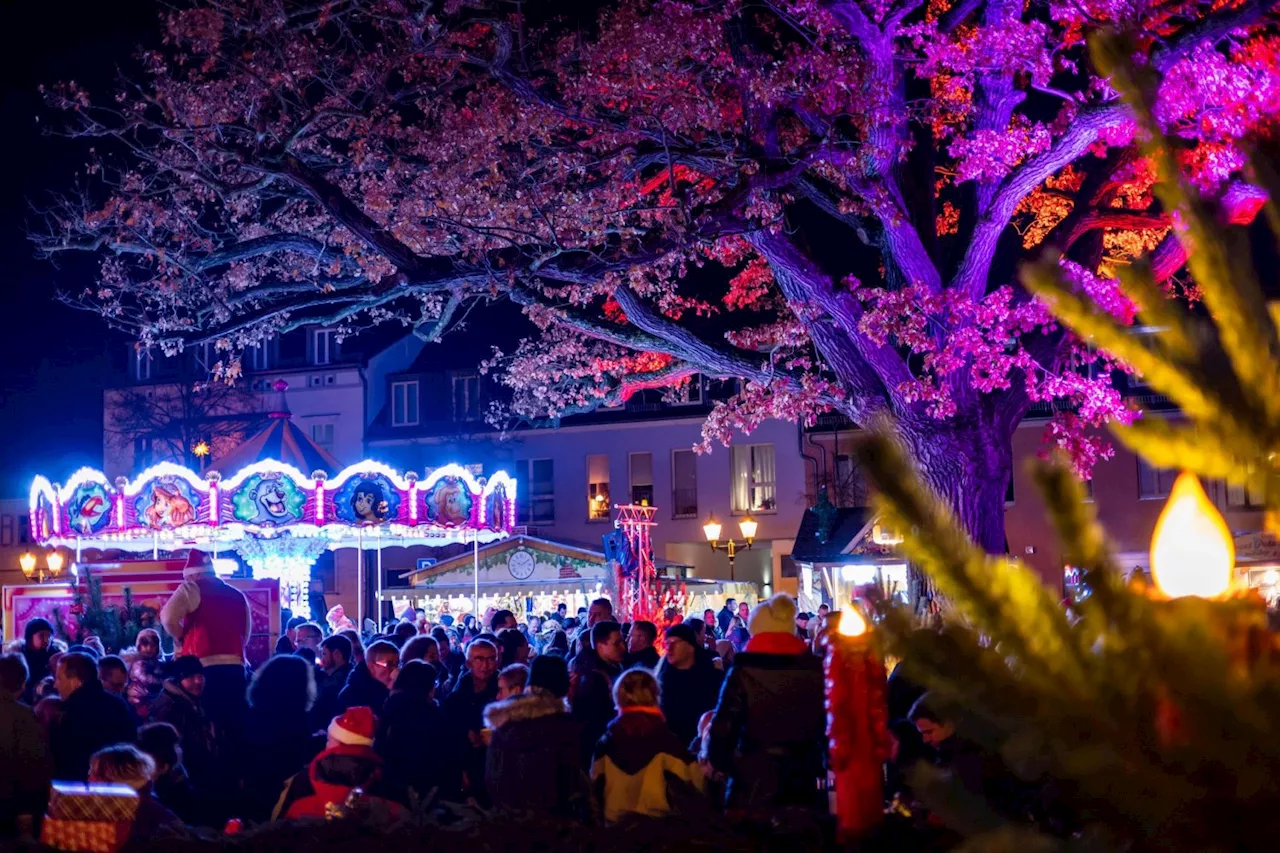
1153	711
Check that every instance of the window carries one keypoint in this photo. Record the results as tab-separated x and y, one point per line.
324	346
753	478
141	365
1008	492
598	506
535	492
322	435
642	479
684	484
1244	497
260	356
291	347
691	393
466	397
404	403
1088	490
205	356
143	452
1154	483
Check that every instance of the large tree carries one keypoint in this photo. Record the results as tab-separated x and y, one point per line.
858	179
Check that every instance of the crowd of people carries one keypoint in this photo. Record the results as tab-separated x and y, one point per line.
575	716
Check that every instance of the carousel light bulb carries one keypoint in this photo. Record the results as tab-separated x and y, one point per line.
1192	552
852	624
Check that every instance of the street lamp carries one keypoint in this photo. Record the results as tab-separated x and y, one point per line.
712	530
53	563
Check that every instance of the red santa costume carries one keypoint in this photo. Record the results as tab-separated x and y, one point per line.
212	621
347	764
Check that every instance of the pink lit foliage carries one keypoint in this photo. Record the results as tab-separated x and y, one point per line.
826	201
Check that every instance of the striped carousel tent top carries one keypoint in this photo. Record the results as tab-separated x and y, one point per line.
282	440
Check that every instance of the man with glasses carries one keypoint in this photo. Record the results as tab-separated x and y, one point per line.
592	704
464	714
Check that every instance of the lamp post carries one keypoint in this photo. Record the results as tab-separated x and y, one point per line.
730	546
51	570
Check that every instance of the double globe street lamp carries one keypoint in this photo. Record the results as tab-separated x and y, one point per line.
730	546
51	570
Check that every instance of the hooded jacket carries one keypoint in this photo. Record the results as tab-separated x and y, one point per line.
329	779
534	761
182	711
769	731
640	767
687	694
37	659
92	719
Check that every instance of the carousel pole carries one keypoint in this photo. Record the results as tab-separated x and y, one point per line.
360	581
475	602
378	601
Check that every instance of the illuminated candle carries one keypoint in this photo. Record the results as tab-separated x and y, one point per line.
857	726
1192	552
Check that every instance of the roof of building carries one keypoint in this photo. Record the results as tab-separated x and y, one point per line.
827	535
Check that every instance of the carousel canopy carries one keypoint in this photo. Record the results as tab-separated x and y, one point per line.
282	440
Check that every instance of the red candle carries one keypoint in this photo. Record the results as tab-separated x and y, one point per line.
857	726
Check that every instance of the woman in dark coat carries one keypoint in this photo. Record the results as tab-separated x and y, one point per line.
278	738
769	731
534	761
411	734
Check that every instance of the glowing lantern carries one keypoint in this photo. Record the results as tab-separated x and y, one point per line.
1192	552
851	623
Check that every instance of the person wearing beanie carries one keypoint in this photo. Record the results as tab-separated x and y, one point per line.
181	705
211	620
690	682
37	649
534	761
347	762
769	731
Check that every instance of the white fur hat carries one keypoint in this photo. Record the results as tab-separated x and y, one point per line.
776	615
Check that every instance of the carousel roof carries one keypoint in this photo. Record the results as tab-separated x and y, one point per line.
282	440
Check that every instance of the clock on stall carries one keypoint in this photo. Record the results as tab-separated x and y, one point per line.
521	565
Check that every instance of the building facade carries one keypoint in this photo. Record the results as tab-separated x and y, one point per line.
571	476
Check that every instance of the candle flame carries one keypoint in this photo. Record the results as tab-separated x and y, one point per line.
1192	552
851	623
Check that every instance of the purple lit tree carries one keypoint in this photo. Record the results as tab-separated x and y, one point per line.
858	179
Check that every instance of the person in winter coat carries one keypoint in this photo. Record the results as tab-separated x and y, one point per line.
37	649
640	646
725	616
690	683
91	718
464	715
335	669
410	733
639	766
125	764
25	764
279	738
769	731
338	620
171	784
370	684
146	679
179	704
347	762
534	762
592	702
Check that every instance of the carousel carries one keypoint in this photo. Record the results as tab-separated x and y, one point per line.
259	504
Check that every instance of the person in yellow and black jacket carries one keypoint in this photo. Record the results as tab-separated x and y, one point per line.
639	765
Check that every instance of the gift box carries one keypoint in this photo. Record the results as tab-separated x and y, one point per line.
92	802
85	836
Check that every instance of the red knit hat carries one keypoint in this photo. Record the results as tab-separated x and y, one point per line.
355	727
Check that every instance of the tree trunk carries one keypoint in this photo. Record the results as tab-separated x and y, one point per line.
969	469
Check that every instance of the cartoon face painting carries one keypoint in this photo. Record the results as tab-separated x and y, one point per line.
268	499
372	499
162	505
449	503
89	509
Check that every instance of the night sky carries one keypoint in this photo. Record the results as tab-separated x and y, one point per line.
55	360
